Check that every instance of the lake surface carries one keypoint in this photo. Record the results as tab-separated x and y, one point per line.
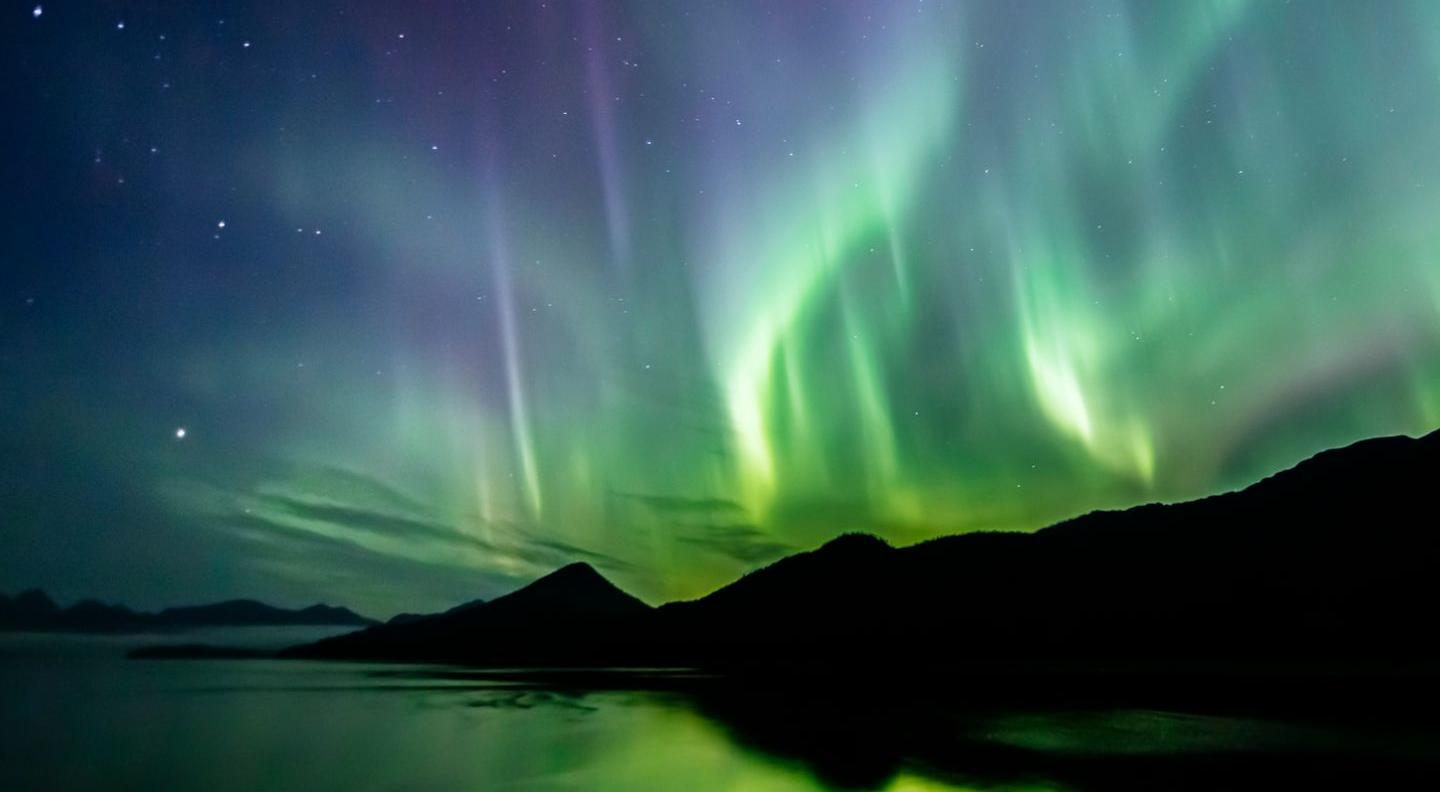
74	714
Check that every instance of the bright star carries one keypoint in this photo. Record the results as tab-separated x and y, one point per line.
37	12
180	433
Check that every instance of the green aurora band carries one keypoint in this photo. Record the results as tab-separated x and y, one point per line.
715	282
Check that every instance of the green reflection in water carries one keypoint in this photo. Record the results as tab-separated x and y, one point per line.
90	720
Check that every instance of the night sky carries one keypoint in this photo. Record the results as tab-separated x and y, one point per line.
399	304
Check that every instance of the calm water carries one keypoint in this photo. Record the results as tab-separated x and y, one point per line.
75	715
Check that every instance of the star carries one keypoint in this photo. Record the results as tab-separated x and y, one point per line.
220	224
37	11
180	433
120	25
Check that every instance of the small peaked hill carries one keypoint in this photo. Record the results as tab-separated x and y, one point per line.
572	616
34	601
572	590
31	609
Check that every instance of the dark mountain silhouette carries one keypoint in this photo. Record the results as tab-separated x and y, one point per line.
1329	561
572	616
34	611
245	612
404	618
27	610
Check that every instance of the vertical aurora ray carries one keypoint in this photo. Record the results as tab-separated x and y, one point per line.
601	105
520	431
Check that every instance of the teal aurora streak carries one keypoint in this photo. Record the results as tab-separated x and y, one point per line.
678	288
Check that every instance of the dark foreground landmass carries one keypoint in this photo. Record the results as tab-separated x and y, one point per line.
34	611
1327	564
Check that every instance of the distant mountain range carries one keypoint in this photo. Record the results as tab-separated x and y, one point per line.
34	611
1332	560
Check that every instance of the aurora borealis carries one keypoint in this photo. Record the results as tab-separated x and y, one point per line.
446	295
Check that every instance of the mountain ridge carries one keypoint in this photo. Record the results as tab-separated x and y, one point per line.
1324	560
